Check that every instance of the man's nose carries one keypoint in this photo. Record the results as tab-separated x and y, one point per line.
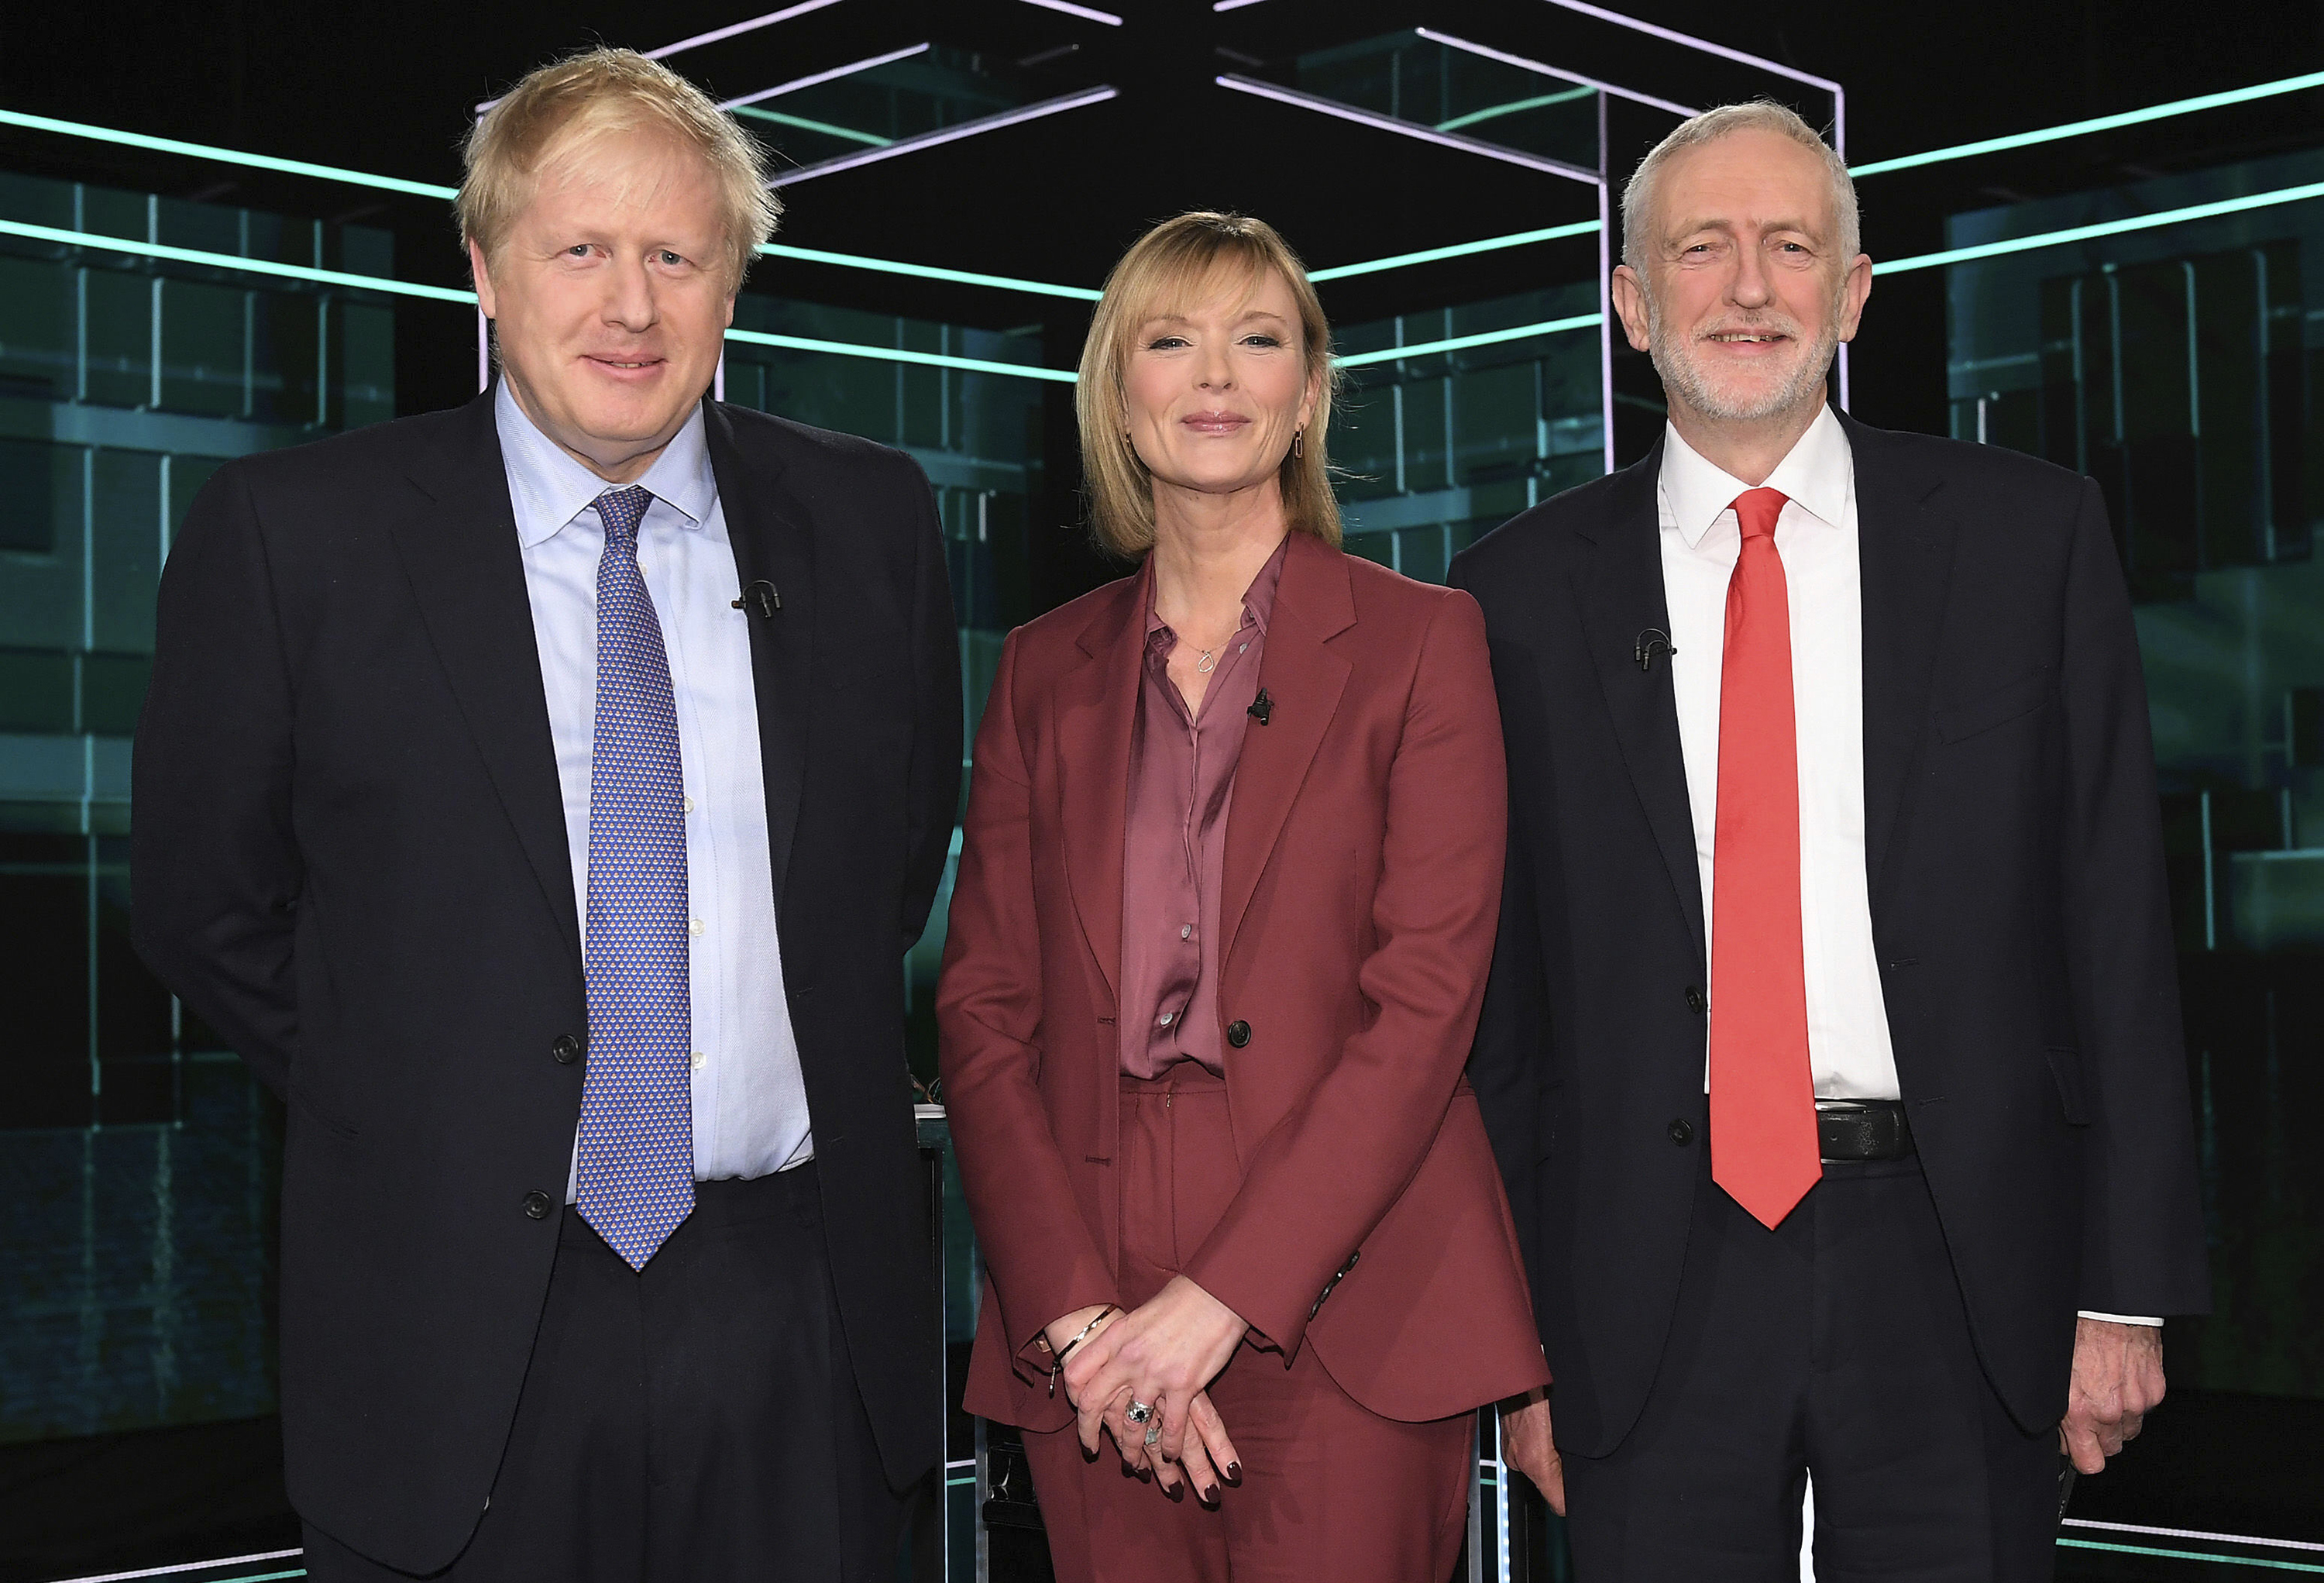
1750	285
630	301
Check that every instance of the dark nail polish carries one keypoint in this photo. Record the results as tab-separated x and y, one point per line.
1211	1495
1176	1492
1234	1473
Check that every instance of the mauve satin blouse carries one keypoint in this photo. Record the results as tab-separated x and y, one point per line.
1182	769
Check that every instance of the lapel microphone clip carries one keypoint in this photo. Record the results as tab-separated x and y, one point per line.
758	596
1652	642
1261	706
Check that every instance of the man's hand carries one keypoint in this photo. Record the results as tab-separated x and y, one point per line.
2117	1382
1526	1446
1163	1353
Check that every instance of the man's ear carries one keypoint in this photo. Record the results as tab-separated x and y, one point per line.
1855	287
1629	296
486	297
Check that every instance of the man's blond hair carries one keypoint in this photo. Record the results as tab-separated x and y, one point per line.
560	109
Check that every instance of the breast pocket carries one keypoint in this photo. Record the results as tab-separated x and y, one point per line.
1992	710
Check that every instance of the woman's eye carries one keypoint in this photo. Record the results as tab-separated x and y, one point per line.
1166	343
1261	341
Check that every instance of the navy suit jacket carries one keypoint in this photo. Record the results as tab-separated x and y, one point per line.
2019	912
349	857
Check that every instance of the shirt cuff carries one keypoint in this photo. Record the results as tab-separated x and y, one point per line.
2121	1318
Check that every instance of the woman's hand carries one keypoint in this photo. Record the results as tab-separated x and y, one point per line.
1164	1353
1059	1333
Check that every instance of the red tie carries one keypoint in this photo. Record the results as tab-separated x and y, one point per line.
1763	1128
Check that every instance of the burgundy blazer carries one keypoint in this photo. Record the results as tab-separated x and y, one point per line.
1363	868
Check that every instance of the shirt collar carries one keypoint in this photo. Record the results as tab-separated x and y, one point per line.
1819	475
1258	600
549	489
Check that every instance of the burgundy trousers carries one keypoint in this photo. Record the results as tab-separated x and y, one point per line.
1329	1488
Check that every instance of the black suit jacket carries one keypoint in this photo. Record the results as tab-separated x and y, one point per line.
350	859
2018	909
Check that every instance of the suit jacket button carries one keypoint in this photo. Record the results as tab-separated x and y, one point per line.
536	1204
1237	1033
1694	1001
1680	1133
566	1049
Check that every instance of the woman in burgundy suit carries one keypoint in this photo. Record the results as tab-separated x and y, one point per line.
1222	922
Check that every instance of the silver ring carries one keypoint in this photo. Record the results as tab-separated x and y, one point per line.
1138	1412
1154	1434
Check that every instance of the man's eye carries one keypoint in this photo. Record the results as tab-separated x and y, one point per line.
578	250
672	259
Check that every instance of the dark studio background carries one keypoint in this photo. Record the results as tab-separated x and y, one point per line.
135	1162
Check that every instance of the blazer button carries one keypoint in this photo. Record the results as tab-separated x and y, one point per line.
1680	1133
1694	1001
536	1204
1237	1033
566	1049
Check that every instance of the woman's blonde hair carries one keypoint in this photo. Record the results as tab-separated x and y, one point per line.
599	93
1166	271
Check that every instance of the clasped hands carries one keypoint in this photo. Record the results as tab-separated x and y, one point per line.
1165	1353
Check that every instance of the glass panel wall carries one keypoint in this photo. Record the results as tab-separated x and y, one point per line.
136	1159
1442	447
2180	367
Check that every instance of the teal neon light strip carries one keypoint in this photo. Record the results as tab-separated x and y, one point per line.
804	125
261	267
332	277
2240	96
928	272
1458	250
1491	111
224	156
265	1576
2191	1555
898	355
2169	217
1463	343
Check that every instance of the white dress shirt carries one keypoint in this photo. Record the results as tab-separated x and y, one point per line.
1849	1049
749	1101
1849	1046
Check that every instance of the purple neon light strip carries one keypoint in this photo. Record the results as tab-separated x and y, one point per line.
733	30
1085	13
926	140
1690	41
797	83
1520	62
1373	118
1232	4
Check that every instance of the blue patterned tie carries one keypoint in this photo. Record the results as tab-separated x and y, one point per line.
635	1176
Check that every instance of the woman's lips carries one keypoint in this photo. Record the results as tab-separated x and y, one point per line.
1215	422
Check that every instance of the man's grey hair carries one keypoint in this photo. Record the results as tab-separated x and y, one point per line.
1758	115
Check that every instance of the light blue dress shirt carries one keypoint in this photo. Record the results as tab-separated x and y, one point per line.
749	1101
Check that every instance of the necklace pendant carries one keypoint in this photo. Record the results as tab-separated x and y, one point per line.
1208	663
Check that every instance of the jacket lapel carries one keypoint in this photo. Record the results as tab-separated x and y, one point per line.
1625	598
1305	679
1097	709
774	538
1906	551
467	576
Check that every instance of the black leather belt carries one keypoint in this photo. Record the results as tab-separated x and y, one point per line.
1863	1129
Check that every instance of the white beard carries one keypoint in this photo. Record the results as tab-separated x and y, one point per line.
1683	376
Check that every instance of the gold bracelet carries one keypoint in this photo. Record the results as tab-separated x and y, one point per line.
1058	1368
